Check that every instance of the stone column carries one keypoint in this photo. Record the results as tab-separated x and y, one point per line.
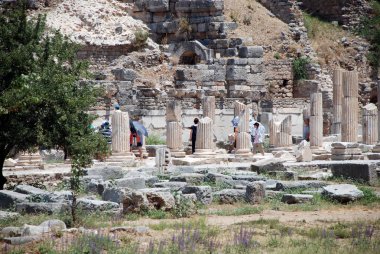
337	101
316	120
204	143
208	105
284	134
274	128
121	149
370	124
174	129
350	107
243	140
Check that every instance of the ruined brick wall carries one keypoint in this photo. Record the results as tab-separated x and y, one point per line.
181	20
347	12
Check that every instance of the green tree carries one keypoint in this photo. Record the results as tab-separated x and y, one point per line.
43	102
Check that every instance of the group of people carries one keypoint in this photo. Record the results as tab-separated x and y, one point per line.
257	131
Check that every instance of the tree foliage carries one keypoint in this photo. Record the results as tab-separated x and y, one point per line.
42	102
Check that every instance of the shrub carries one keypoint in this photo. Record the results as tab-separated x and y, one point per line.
234	16
155	139
247	20
300	68
277	55
141	36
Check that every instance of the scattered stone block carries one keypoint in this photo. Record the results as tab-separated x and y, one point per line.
135	201
37	208
8	215
89	205
229	196
291	185
28	189
173	186
21	239
255	193
342	192
114	194
215	177
203	193
190	178
303	152
132	230
285	156
56	196
161	200
359	171
296	198
11	232
124	74
10	198
107	172
249	178
266	165
132	183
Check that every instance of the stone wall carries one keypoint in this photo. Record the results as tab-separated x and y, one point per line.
107	53
181	20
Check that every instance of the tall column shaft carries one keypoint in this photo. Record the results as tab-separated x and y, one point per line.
243	139
316	120
284	135
350	107
273	130
204	143
370	124
208	105
174	136
120	132
337	101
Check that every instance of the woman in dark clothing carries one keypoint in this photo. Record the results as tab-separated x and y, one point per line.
193	134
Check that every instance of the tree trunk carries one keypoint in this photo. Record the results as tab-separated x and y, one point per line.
3	180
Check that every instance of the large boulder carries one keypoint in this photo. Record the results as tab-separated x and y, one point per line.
255	192
10	198
89	205
135	201
342	192
11	232
53	225
229	196
203	193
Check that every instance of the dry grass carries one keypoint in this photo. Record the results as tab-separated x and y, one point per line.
264	29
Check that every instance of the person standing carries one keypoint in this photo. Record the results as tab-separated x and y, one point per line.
257	138
193	134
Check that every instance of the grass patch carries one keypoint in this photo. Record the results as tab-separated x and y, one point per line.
157	214
199	223
155	139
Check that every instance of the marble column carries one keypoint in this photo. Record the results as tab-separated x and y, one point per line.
337	101
316	120
208	105
350	107
204	143
174	129
121	149
243	140
370	124
274	128
284	134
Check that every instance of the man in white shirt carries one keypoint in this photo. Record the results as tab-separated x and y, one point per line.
257	137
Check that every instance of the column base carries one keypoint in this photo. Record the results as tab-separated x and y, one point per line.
203	153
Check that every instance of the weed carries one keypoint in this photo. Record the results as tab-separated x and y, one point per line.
141	36
277	56
300	67
247	20
155	139
156	214
244	210
369	197
234	16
